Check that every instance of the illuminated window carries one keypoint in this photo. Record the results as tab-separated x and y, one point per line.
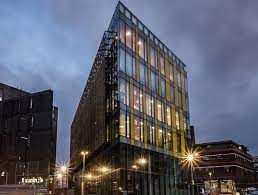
128	125
141	129
129	64
172	93
168	110
170	141
162	64
124	92
128	35
171	72
140	100
150	133
149	105
141	45
160	138
163	88
122	31
137	99
133	40
138	129
177	120
180	104
179	78
153	57
122	124
122	60
160	109
153	81
143	74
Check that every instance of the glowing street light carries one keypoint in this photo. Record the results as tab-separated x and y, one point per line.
83	153
191	159
59	176
89	176
62	172
63	169
104	169
142	161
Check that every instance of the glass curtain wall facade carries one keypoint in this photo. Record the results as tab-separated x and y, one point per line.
150	116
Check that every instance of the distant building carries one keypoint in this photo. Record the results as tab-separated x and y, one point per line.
225	166
133	116
28	127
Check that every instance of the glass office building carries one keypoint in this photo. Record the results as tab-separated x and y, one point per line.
133	116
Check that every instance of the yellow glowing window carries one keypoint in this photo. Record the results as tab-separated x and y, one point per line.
122	31
128	36
122	124
177	120
149	105
162	65
160	138
168	110
160	110
141	45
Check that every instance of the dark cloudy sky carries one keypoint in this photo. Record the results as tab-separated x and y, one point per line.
52	44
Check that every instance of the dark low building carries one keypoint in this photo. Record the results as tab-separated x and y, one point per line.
225	166
28	127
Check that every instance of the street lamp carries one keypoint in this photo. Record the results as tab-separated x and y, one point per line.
83	153
104	169
26	168
59	176
142	161
210	174
89	176
191	159
62	172
6	176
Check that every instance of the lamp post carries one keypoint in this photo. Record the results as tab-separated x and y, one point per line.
210	174
83	153
190	159
26	155
142	162
62	173
6	176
